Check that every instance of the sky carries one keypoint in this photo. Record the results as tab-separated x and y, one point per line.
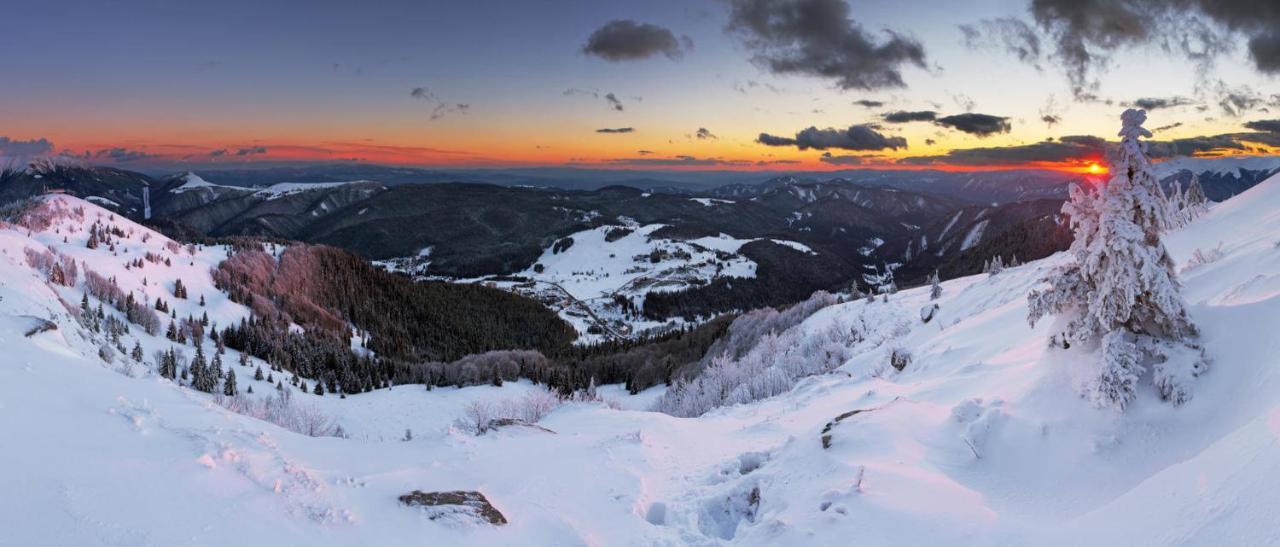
689	84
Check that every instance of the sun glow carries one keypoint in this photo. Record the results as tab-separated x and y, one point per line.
1095	169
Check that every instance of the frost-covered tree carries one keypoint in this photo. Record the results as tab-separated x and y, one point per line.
935	286
1120	293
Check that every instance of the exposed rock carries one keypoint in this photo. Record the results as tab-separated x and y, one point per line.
927	312
36	325
456	505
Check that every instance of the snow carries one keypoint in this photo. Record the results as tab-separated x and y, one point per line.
1228	165
192	181
981	439
102	201
708	202
279	190
974	236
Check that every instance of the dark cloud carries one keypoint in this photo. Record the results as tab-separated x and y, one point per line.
1155	103
1010	33
743	87
613	101
777	162
1090	148
24	149
644	152
1065	149
674	161
704	134
930	142
616	130
1265	50
865	103
218	153
251	151
1193	145
1238	101
1085	33
610	99
982	125
626	40
1269	126
903	116
828	158
119	155
1167	127
963	101
439	108
818	38
857	137
1051	119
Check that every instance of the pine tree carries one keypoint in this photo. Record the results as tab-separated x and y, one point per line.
136	354
229	388
319	388
1121	293
215	370
172	332
257	375
93	240
206	316
935	286
200	378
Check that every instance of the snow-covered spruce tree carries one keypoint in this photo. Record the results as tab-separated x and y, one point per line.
1120	294
935	286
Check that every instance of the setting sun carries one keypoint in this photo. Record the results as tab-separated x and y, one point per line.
1095	169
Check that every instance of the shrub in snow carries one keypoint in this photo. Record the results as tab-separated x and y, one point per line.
1200	256
480	417
749	328
280	409
1120	293
770	368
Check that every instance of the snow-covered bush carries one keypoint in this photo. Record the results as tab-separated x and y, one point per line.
770	368
478	416
1201	257
749	328
282	410
1120	294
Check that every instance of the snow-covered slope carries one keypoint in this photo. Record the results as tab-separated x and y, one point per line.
585	276
980	439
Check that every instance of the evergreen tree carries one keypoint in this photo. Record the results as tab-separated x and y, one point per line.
935	286
229	388
1120	293
172	332
215	369
136	354
93	239
257	375
319	388
200	378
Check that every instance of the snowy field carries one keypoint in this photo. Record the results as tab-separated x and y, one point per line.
981	439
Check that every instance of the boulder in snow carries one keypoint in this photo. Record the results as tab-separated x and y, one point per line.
927	312
458	505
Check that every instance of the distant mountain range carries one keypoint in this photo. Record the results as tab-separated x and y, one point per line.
861	225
